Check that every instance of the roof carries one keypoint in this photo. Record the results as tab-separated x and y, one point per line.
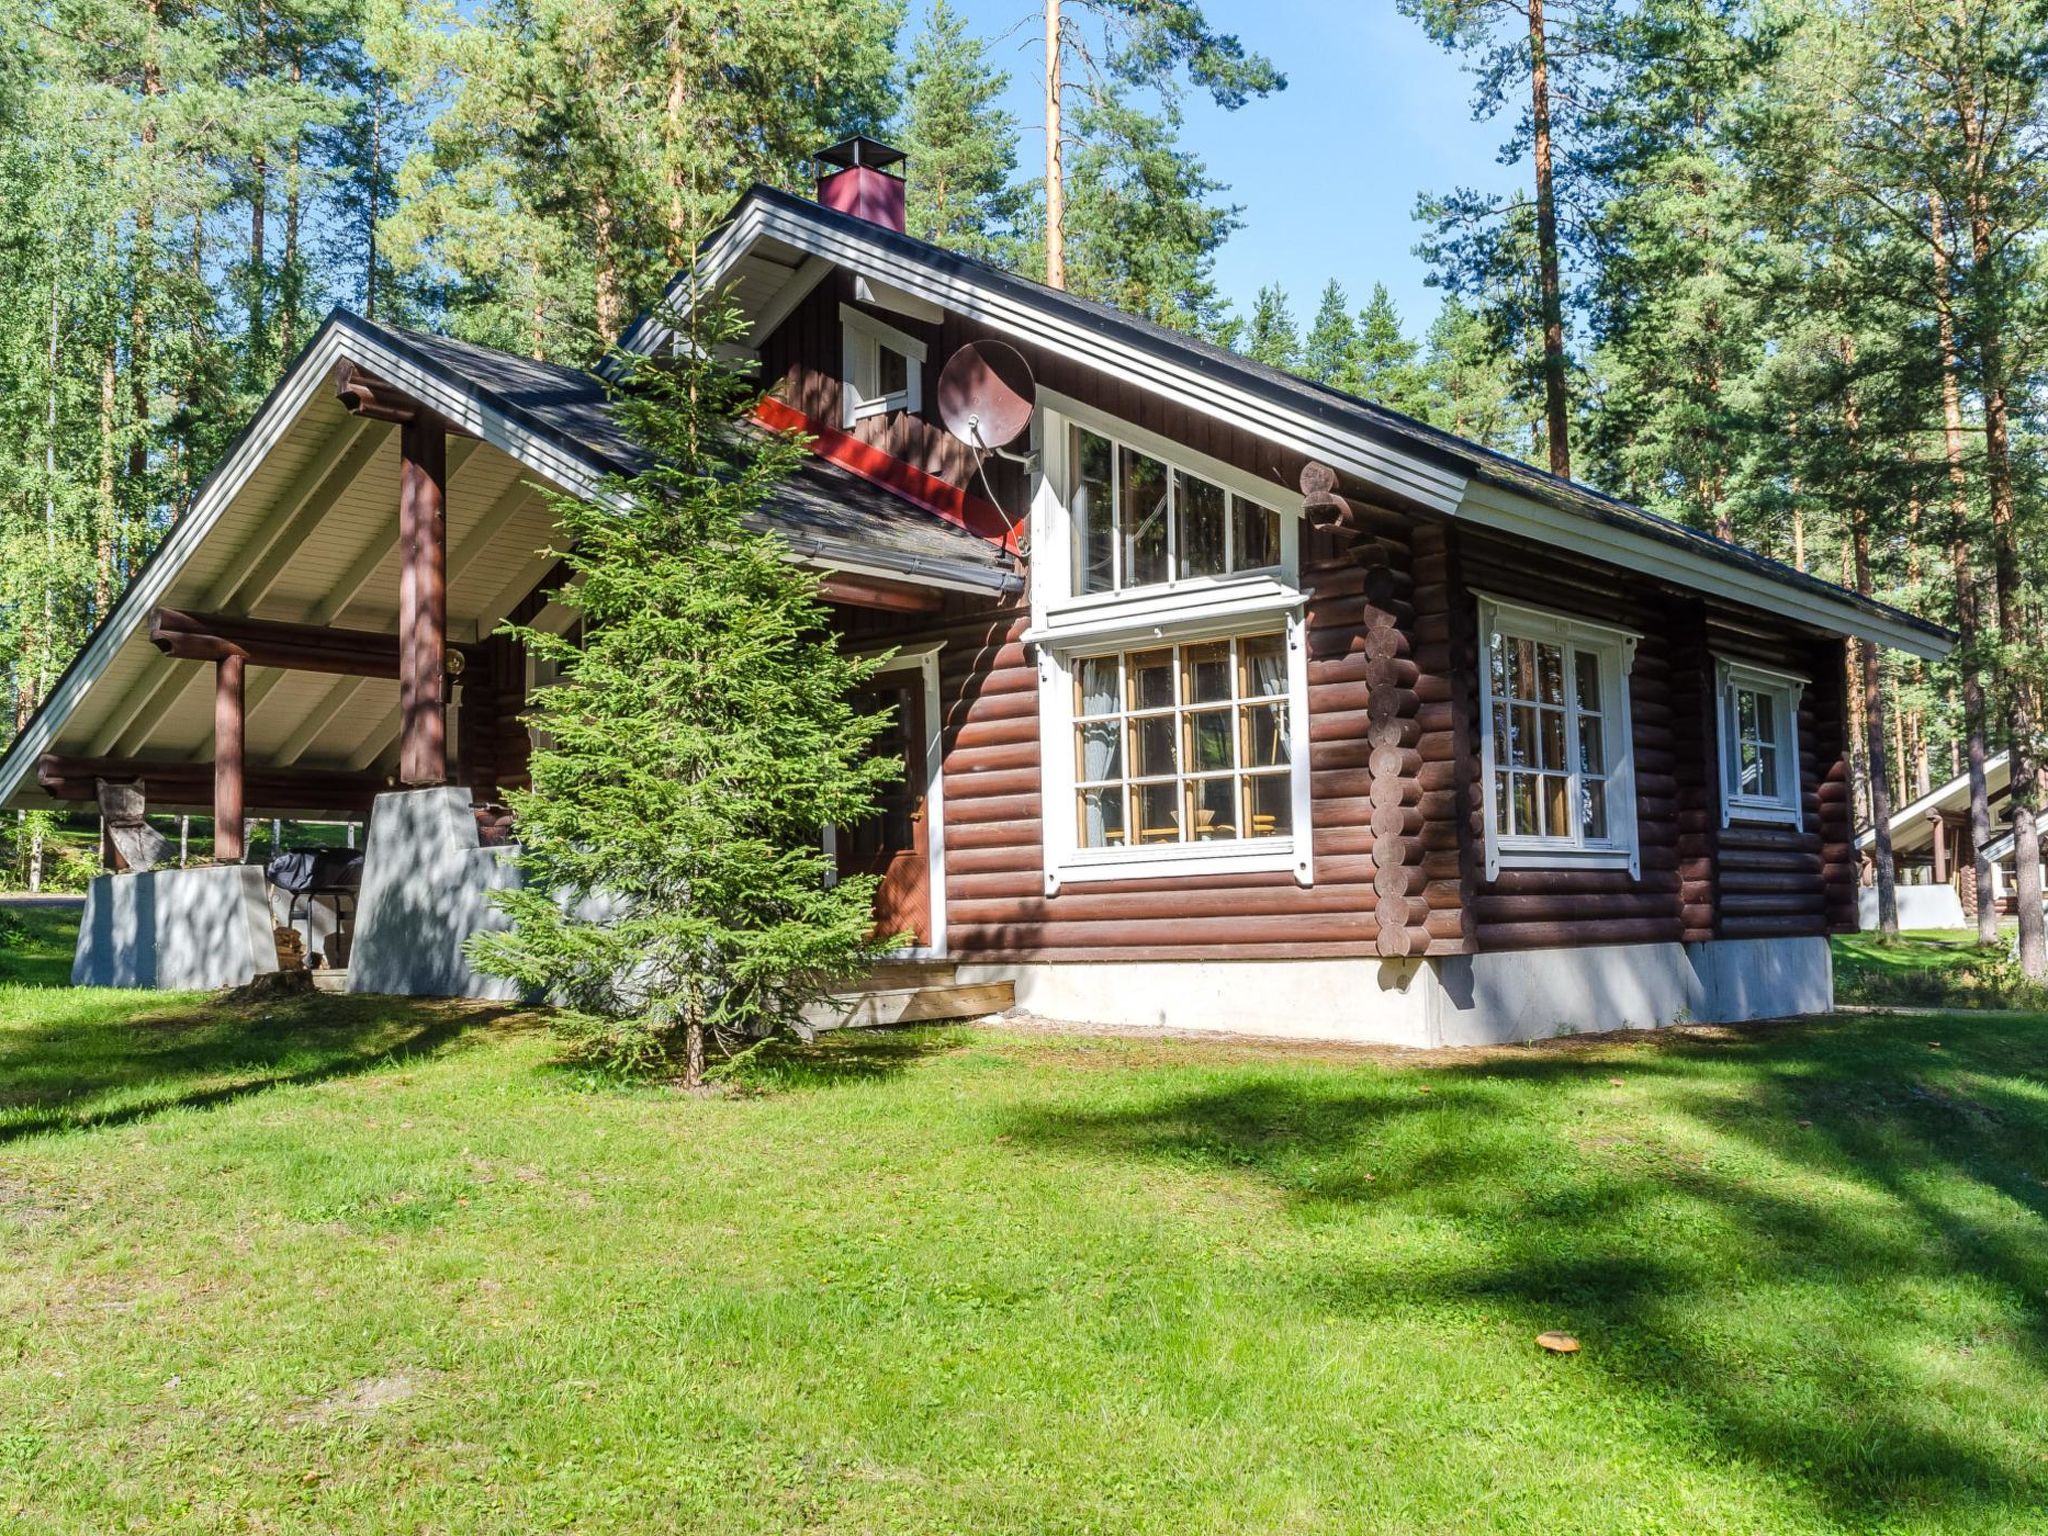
823	510
297	524
1406	456
1911	826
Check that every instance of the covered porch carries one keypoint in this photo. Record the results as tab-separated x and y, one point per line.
318	638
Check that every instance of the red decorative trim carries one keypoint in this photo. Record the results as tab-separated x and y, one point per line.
941	498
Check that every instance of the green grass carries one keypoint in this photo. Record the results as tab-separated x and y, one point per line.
1933	969
351	1265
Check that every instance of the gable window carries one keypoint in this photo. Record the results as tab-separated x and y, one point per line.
1140	522
1557	760
1759	743
882	368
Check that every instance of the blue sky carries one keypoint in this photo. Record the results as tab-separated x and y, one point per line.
1328	170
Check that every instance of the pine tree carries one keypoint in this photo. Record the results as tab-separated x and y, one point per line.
1468	225
1329	355
1150	44
676	889
962	145
1270	338
1142	234
1384	357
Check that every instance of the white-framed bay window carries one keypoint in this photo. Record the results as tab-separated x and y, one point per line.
1759	745
1173	681
1557	760
881	368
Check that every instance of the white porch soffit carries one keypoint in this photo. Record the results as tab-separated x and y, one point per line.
776	247
299	524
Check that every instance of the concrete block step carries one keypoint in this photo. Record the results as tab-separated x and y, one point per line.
914	1005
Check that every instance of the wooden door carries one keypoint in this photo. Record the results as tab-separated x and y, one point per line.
894	843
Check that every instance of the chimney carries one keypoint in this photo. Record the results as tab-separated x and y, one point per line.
856	177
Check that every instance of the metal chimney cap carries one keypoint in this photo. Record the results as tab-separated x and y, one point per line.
861	150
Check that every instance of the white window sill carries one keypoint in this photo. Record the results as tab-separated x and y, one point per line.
1559	856
1257	856
1767	815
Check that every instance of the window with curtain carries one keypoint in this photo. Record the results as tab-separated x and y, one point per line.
1759	744
1139	522
1187	743
1556	751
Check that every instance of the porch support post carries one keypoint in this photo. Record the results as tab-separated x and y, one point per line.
1940	830
227	759
423	602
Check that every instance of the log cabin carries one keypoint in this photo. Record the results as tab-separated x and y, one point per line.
1227	700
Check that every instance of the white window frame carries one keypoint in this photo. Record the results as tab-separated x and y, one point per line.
863	339
1066	628
1615	650
1785	690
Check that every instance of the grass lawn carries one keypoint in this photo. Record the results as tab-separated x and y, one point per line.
347	1265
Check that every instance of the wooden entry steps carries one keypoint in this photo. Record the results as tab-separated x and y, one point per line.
913	992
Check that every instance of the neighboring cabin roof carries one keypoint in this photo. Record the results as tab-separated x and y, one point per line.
1910	828
1410	458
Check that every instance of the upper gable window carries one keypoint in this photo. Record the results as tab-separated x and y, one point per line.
1140	522
1759	743
882	368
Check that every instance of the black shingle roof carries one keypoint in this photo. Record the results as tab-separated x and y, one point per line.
822	510
1320	401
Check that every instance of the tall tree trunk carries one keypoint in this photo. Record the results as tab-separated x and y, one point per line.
1876	763
679	242
1555	410
107	503
2005	565
370	209
259	275
1055	182
289	307
611	295
139	288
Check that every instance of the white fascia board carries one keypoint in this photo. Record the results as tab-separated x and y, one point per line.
1491	506
1445	490
1373	462
337	340
177	550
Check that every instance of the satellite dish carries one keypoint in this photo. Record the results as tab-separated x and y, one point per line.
986	394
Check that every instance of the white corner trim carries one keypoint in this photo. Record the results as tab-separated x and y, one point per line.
1615	648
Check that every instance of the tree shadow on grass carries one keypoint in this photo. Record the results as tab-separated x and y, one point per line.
840	1058
1798	1240
93	1060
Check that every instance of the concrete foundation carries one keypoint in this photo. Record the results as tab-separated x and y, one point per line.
180	929
1486	999
1920	906
426	888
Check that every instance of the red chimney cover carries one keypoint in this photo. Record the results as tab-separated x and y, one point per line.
854	177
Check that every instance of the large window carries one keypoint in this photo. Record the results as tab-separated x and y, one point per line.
1183	744
1557	762
1138	522
1759	743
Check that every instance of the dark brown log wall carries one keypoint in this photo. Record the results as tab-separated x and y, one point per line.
1393	732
